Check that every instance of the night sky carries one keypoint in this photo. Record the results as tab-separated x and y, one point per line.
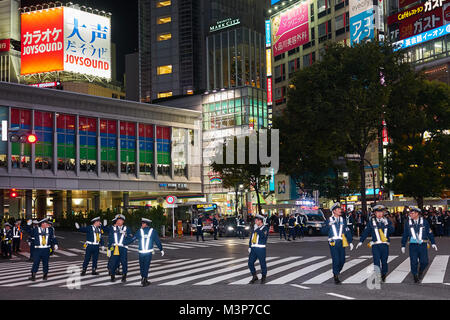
124	25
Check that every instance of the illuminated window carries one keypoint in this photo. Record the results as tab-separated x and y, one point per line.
162	20
164	94
166	3
164	69
164	36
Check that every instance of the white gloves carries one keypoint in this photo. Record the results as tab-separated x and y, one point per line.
434	247
29	222
105	222
108	253
351	246
162	253
249	249
102	248
403	250
77	225
56	247
385	221
358	245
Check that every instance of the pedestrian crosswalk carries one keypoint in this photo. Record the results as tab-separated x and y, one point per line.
293	270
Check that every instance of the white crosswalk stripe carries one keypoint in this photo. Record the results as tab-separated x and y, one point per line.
206	271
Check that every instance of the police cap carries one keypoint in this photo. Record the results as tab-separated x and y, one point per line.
335	205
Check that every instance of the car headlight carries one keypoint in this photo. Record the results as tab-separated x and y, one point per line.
230	228
247	228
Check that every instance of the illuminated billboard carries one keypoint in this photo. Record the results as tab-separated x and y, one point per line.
290	28
361	20
66	39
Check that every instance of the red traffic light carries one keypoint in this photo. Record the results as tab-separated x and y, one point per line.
13	193
32	138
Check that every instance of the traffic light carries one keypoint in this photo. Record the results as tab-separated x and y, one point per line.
380	195
13	193
30	138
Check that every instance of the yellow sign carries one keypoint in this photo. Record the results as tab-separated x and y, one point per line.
352	198
180	228
269	62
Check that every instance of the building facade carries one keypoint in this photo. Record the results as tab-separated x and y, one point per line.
9	41
102	151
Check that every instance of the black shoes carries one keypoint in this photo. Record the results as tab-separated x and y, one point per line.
44	277
420	275
113	278
145	282
383	278
83	273
254	279
336	280
124	278
416	279
94	272
263	279
33	277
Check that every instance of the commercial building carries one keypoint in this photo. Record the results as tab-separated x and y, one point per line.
94	153
423	29
9	41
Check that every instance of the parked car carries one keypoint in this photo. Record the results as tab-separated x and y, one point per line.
228	227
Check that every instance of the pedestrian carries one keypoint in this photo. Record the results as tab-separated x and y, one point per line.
418	232
350	221
119	237
94	240
291	227
17	236
380	228
44	240
240	225
29	229
297	225
215	226
281	225
339	237
257	249
147	238
198	224
7	237
439	225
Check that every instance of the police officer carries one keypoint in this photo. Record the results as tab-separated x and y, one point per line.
350	221
94	240
147	238
257	249
119	237
240	225
300	225
339	237
291	227
215	226
31	225
281	223
380	229
17	236
439	224
44	239
198	224
417	230
7	236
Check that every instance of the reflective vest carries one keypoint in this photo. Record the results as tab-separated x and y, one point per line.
416	238
97	236
280	224
122	236
381	238
255	240
145	242
17	234
336	235
43	239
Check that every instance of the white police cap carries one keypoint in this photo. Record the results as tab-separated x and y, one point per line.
145	220
379	207
95	219
35	222
335	205
45	220
259	217
120	216
7	224
415	209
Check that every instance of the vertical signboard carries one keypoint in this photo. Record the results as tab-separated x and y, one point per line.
269	92
361	20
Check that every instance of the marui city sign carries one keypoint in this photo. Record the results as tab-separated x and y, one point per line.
223	24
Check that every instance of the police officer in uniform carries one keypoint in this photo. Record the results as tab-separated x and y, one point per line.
281	223
257	249
31	225
380	229
240	224
418	232
215	227
339	237
350	221
147	238
44	239
119	237
17	236
94	240
198	224
291	226
300	225
7	237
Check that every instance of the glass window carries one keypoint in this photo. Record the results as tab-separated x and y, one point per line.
164	69
43	127
65	128
339	22
321	5
127	147
179	151
21	153
108	137
87	130
322	29
165	3
3	144
163	150
146	149
163	20
164	36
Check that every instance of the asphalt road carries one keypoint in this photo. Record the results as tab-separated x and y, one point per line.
217	270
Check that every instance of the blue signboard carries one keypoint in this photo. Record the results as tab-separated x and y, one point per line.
268	34
362	26
274	1
423	37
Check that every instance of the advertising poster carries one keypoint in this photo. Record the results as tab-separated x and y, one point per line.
361	20
290	29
